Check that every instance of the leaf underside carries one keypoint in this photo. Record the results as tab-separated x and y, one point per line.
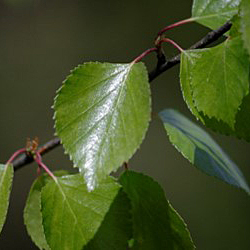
101	115
200	149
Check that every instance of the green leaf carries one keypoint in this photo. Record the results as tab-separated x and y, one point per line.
214	13
186	68
71	214
241	128
101	115
116	228
200	149
222	74
32	210
242	124
156	224
245	23
33	215
235	29
6	177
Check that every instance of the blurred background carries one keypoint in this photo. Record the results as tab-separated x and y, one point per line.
42	40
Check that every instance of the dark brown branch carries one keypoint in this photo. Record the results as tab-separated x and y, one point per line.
25	159
208	39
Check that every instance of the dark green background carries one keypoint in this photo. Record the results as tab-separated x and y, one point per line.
40	41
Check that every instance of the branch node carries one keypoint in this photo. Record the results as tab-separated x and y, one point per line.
212	36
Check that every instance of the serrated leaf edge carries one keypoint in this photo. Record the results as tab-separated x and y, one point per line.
55	123
166	201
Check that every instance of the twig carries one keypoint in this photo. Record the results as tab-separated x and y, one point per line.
15	155
140	57
174	25
167	40
38	160
211	37
25	159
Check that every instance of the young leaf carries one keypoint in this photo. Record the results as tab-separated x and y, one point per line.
156	224
222	73
214	13
116	228
200	149
71	214
101	115
245	21
6	177
32	210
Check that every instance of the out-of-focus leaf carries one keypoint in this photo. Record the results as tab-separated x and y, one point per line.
200	149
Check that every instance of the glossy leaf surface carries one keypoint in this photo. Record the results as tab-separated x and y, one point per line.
32	211
245	23
156	224
214	13
71	214
101	115
215	81
116	228
200	149
6	177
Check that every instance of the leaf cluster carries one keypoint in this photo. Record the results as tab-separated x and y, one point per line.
102	113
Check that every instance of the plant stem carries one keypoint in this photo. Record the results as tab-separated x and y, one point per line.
167	40
211	37
174	25
25	159
38	160
145	53
17	153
